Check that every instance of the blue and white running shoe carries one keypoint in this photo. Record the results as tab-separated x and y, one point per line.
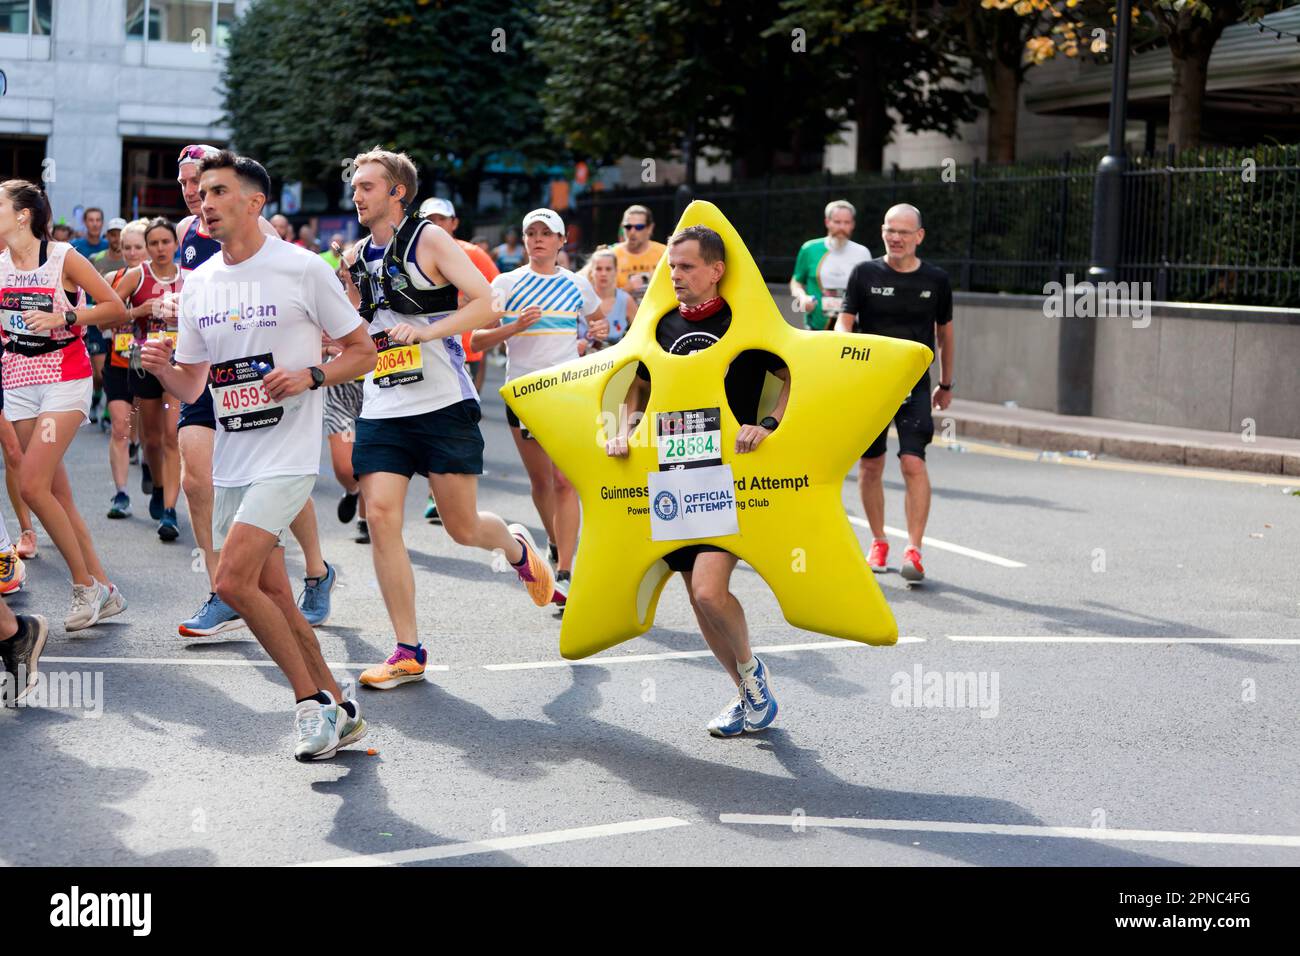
756	695
729	723
213	618
314	602
317	728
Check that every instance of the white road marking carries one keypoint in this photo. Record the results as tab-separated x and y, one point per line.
200	662
938	545
1106	639
1006	829
499	844
679	655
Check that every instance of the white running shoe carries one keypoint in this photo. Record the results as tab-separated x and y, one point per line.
351	729
114	603
317	728
88	602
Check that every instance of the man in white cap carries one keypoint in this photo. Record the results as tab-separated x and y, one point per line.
543	302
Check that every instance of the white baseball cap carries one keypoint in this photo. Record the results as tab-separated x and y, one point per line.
196	154
548	218
437	206
117	222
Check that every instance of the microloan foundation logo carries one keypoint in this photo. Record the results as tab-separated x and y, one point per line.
948	690
81	691
1098	300
239	303
99	910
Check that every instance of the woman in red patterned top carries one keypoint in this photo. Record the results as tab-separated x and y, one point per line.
142	289
47	379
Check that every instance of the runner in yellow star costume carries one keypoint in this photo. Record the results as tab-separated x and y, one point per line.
844	389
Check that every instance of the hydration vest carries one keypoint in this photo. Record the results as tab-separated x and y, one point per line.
398	291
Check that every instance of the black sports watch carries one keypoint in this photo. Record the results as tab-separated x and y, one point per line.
69	318
317	377
946	388
769	423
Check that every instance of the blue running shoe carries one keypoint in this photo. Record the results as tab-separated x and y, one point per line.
168	529
314	602
120	507
431	512
213	618
756	694
729	723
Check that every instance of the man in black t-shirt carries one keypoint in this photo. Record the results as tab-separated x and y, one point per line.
902	297
696	261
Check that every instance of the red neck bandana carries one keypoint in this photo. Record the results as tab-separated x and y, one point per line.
695	313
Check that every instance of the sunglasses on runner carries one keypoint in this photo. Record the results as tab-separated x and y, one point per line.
194	152
638	226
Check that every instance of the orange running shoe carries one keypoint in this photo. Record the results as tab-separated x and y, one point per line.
403	667
13	573
535	571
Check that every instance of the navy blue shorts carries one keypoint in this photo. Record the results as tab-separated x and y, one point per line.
442	442
198	413
914	422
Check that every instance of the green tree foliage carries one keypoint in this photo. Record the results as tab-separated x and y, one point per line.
310	83
1189	28
761	84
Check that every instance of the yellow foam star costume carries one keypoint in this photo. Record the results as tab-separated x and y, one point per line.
844	389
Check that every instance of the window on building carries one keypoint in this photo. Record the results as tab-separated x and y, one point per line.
25	16
149	186
225	20
174	21
21	157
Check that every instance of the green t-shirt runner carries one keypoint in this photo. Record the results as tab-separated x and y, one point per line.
824	274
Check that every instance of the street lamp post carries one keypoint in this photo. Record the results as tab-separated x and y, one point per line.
1078	342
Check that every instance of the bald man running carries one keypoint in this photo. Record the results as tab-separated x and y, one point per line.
900	296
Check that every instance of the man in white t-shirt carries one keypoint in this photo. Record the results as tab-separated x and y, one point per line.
543	303
251	323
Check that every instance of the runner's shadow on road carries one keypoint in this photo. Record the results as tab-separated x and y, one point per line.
811	668
1088	617
525	749
466	569
365	822
59	812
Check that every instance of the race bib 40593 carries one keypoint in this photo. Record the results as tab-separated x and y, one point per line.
239	397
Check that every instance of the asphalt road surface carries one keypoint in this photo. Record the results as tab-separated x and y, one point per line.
1129	633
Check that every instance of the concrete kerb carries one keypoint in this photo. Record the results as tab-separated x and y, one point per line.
1156	450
